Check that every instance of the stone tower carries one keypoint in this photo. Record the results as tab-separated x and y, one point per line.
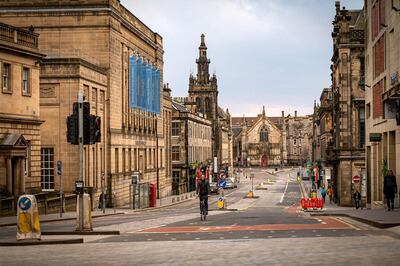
203	89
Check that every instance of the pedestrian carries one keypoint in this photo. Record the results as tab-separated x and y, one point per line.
330	194
323	193
390	189
101	199
357	199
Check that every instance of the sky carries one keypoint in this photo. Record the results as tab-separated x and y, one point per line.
264	52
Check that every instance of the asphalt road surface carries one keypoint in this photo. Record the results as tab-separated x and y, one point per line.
269	229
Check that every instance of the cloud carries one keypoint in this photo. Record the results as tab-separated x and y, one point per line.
265	52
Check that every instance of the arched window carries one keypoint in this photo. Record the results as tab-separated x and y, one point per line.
263	134
198	105
207	103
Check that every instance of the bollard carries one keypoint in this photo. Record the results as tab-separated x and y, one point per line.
28	224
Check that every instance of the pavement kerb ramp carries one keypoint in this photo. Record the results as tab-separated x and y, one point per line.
360	219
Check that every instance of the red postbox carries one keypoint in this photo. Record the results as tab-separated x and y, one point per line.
153	195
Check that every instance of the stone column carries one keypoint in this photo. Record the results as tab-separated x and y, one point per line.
9	175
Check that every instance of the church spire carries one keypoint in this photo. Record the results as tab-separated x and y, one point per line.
203	62
263	111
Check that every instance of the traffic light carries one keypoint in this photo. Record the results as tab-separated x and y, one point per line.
398	112
91	126
87	122
96	129
72	129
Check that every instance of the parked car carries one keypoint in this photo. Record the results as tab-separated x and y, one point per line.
305	175
213	187
229	183
234	180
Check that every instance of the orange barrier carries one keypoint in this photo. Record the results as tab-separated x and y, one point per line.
313	203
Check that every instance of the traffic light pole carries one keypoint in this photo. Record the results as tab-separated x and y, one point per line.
80	138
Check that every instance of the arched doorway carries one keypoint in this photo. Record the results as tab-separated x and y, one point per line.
264	161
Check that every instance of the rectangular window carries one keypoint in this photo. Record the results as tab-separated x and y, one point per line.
379	56
94	98
116	161
377	104
101	101
362	127
175	153
86	92
6	73
26	90
47	168
175	128
123	160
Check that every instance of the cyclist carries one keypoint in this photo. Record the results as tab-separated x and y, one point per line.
203	192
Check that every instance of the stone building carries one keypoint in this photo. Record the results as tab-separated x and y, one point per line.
322	129
272	141
382	92
347	154
191	145
258	140
204	90
89	46
298	133
20	115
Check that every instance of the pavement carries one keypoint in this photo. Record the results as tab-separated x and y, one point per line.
378	217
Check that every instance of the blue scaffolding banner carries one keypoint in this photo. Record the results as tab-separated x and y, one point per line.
144	85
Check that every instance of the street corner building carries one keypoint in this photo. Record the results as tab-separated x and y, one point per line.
101	49
271	141
20	115
191	144
339	119
382	96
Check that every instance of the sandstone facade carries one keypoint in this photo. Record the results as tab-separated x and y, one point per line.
102	34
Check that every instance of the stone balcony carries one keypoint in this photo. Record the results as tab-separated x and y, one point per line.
18	36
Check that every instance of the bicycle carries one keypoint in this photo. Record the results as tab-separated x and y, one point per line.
203	211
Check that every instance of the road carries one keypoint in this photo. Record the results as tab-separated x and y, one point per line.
269	229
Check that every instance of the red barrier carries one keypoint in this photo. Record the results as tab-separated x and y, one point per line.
314	203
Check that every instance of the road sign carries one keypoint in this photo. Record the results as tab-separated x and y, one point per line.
24	203
59	168
356	179
222	183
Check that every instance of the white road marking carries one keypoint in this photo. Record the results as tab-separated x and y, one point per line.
284	192
269	236
149	239
197	238
173	239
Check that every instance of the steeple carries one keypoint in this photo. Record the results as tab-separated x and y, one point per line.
263	111
203	63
